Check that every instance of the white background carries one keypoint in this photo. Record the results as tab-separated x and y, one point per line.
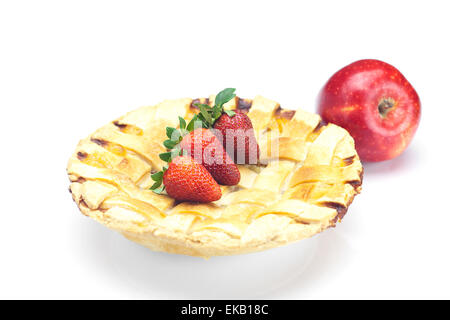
68	67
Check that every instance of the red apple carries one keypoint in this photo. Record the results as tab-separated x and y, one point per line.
377	106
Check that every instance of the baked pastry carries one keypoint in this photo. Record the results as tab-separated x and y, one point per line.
303	187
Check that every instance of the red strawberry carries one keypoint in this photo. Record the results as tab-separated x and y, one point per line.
237	131
202	145
186	180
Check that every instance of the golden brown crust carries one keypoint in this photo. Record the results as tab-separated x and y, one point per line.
309	175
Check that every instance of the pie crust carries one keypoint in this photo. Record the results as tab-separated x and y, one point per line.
302	191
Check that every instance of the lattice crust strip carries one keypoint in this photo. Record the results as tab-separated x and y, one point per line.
308	176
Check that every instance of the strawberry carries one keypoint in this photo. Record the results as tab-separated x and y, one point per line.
202	145
237	131
235	128
192	151
186	180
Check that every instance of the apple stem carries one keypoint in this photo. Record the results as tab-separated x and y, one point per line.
385	106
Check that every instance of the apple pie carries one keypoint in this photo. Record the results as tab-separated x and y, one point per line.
307	176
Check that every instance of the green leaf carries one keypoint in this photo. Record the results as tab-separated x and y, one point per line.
190	126
156	185
205	123
178	135
217	112
182	123
169	144
224	96
157	176
205	115
182	133
175	151
165	167
207	107
231	113
169	132
166	156
204	112
159	190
